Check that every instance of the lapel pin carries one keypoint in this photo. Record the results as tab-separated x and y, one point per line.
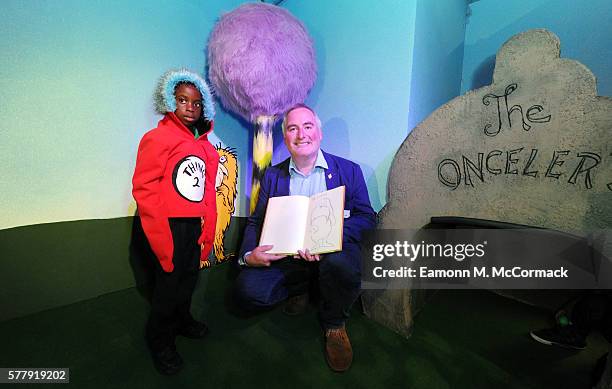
329	176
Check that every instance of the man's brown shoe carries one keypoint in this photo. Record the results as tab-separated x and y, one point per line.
296	305
338	350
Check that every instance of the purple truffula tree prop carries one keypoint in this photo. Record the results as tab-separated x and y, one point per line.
261	62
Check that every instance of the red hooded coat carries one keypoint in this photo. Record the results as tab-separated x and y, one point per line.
175	177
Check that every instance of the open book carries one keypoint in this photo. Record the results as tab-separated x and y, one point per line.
295	223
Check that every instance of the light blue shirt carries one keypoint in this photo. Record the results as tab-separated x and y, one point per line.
308	185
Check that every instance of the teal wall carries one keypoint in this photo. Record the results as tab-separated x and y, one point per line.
383	68
77	77
76	83
362	94
584	28
438	56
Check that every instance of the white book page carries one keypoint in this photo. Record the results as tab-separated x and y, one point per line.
325	221
285	224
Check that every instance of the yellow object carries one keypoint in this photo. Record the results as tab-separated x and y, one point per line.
226	187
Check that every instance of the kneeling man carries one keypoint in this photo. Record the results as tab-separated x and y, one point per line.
268	279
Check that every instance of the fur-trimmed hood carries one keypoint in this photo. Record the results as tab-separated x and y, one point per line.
164	92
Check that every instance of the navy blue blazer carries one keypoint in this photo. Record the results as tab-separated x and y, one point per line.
340	172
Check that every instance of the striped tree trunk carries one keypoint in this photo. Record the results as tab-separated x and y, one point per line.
262	153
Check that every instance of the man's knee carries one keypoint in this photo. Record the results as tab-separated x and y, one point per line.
343	266
250	300
258	289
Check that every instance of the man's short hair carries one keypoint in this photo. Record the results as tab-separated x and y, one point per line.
283	126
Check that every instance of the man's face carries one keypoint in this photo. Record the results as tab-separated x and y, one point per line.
188	104
302	135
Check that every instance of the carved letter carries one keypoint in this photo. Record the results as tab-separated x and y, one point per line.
518	108
485	101
534	153
510	161
469	165
580	168
555	162
491	154
457	174
538	109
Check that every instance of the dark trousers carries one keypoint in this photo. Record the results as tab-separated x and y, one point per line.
171	300
337	276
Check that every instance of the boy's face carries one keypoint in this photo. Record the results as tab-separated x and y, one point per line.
188	104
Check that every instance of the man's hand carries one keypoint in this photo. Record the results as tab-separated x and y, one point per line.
259	256
307	256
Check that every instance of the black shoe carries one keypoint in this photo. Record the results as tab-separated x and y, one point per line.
296	305
167	361
566	337
193	329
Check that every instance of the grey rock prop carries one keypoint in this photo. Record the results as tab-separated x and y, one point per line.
532	148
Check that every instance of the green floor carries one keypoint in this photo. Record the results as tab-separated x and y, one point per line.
462	339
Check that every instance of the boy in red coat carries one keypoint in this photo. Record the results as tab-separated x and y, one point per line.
174	188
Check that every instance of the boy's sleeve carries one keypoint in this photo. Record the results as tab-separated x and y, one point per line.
209	221
150	165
